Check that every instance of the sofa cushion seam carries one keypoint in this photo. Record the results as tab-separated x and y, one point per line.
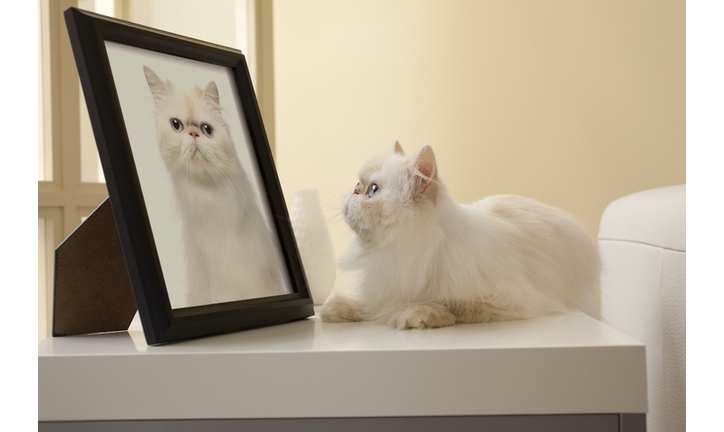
641	243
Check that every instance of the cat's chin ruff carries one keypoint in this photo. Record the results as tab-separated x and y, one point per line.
203	173
407	226
205	166
503	258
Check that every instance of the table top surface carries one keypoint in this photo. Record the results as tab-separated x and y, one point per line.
313	335
311	369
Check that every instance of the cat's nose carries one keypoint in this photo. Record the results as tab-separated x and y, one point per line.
194	134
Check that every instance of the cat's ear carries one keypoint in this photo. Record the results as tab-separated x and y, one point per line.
424	171
211	93
158	87
396	149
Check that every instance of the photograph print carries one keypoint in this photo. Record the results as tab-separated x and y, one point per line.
210	218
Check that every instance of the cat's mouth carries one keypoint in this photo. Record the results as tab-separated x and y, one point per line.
197	154
350	211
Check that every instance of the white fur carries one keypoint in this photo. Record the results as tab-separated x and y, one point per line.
229	251
423	260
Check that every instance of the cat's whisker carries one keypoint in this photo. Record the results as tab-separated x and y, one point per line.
235	182
335	218
177	167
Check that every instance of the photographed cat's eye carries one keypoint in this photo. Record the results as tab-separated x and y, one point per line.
374	190
207	130
177	125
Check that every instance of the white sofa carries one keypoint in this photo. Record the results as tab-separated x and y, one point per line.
643	291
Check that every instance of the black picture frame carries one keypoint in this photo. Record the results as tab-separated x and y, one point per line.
89	33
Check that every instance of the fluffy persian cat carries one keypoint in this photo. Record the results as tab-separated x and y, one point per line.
424	261
228	247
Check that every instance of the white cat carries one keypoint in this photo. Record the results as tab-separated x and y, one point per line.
229	251
424	261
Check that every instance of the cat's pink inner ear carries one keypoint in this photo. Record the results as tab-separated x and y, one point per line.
424	170
212	92
424	164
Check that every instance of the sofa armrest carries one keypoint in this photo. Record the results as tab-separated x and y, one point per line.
643	291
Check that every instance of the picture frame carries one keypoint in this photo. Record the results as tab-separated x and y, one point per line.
163	242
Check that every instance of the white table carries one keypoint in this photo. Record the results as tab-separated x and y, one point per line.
568	372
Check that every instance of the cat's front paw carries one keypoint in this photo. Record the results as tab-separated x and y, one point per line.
338	310
422	316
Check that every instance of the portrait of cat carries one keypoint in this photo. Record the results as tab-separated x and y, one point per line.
229	251
422	260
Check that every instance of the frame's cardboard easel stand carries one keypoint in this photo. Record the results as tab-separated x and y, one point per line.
92	292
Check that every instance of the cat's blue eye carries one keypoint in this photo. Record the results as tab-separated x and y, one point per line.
177	125
374	190
207	130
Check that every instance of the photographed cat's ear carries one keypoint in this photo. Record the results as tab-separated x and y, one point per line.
424	169
397	149
212	93
159	89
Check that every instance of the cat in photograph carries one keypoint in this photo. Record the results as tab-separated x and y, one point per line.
422	260
229	251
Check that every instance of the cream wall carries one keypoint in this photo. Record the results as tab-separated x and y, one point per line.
573	103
